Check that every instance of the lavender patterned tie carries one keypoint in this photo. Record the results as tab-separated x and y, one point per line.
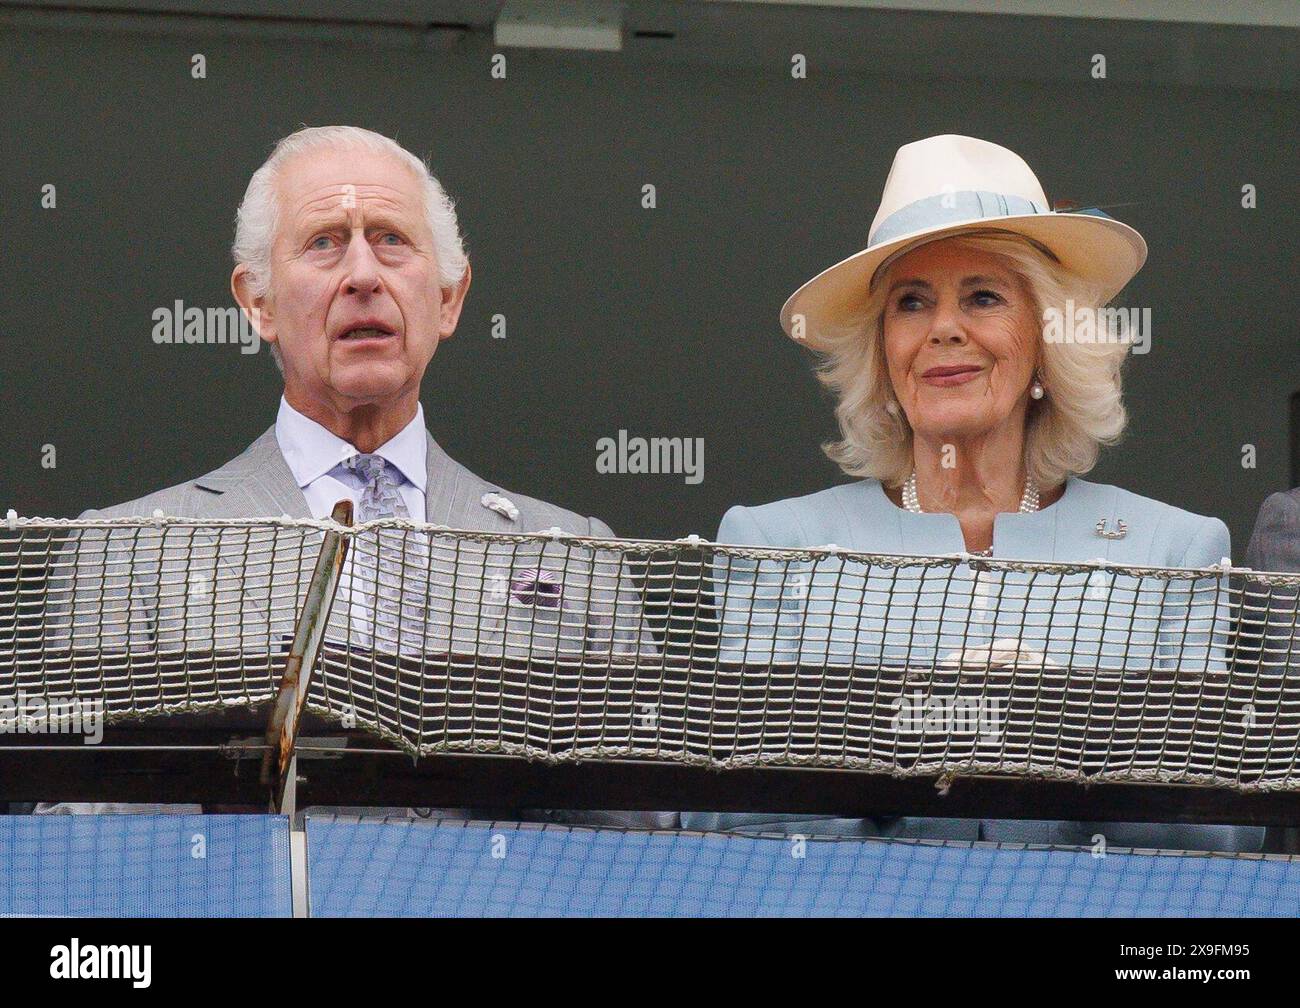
399	602
380	497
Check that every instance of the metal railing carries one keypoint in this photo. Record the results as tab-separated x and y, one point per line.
565	648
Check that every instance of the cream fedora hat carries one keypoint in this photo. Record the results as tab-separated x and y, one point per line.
947	185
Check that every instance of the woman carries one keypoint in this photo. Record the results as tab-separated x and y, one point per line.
968	418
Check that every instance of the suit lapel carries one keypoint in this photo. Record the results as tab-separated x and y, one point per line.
444	494
255	484
258	484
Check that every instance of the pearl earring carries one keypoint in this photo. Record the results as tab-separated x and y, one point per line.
1036	390
891	408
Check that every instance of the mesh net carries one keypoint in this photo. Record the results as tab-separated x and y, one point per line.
144	866
415	868
559	647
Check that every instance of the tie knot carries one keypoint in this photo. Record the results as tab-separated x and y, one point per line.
380	487
368	467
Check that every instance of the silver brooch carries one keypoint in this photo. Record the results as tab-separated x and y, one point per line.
501	505
1120	532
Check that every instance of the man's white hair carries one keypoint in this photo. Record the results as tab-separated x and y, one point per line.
258	216
1082	411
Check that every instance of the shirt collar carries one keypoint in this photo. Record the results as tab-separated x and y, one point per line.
311	451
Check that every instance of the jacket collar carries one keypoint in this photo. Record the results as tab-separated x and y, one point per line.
258	483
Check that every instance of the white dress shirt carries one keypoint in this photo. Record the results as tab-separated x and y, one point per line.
315	456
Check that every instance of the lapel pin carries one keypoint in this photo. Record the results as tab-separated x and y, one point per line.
1121	529
502	506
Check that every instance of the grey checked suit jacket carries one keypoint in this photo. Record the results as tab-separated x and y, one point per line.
257	484
132	600
128	590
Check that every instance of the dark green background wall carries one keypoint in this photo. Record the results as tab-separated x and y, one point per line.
662	322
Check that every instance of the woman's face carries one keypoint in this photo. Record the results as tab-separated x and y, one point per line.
962	339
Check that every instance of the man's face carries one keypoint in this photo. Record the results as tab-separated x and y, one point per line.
355	303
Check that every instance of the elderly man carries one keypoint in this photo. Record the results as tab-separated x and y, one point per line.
349	262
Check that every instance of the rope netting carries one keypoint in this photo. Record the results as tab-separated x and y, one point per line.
560	647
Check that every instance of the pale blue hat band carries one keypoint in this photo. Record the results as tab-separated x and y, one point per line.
967	207
951	208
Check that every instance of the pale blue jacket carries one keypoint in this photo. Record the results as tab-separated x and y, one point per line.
843	614
839	614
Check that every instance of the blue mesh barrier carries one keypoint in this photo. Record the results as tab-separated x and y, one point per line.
144	866
415	868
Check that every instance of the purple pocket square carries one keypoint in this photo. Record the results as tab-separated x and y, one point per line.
541	588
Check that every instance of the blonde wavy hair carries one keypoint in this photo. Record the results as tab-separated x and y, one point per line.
1065	430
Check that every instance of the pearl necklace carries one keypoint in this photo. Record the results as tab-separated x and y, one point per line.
1028	500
